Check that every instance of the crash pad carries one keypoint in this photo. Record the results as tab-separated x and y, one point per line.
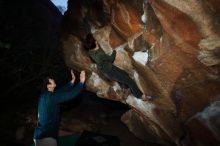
68	140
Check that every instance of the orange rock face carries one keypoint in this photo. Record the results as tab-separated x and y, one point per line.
182	69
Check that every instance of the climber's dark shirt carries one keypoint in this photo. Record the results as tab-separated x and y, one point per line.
104	62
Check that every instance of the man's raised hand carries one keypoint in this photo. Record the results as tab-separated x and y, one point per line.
82	76
73	76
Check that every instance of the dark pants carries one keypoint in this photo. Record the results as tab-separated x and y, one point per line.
123	77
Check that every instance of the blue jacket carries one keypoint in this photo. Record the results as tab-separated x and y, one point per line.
49	110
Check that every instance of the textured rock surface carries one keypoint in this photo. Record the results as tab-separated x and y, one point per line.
182	69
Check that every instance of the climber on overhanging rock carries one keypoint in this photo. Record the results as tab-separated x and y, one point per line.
105	65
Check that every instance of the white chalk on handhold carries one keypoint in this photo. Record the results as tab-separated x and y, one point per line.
121	48
116	87
93	29
141	57
96	79
144	18
136	76
93	66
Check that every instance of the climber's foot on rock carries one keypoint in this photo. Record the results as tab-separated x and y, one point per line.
146	98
